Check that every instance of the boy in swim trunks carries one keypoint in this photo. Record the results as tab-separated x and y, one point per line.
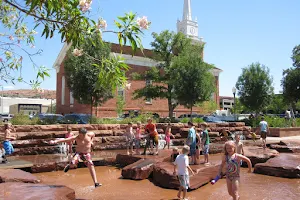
182	163
84	143
7	143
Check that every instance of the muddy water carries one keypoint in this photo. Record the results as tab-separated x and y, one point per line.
253	187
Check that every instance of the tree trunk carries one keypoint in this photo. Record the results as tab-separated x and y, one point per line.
91	106
191	114
96	110
171	109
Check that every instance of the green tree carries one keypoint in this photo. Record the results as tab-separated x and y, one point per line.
192	78
208	107
82	74
296	56
120	105
255	87
278	104
166	46
291	86
68	18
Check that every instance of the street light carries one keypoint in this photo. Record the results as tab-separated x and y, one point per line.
234	92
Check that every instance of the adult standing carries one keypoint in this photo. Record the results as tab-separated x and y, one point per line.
191	142
264	129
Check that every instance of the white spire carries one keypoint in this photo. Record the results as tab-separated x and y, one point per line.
187	11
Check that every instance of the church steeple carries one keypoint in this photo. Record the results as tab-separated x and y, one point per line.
187	12
188	26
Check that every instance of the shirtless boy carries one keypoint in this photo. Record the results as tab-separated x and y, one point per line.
84	143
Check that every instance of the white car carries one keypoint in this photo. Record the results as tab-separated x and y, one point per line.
6	117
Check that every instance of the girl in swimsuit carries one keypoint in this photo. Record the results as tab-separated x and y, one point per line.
70	143
168	136
232	161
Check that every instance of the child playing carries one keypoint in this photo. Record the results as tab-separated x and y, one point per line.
129	138
137	138
7	143
69	144
182	163
264	129
174	155
232	161
239	146
84	143
168	135
153	136
205	142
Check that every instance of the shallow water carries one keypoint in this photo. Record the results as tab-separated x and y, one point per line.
253	187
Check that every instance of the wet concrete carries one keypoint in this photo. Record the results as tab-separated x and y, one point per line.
253	187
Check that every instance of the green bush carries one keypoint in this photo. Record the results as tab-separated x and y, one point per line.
195	120
275	122
21	119
141	118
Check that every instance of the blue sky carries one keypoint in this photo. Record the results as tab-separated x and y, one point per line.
237	33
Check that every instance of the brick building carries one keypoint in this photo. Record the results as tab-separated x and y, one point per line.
138	63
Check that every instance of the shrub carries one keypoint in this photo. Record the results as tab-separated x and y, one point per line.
195	120
21	119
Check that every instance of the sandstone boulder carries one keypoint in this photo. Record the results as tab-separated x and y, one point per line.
281	148
44	167
124	160
139	170
258	154
292	145
284	165
163	175
29	191
17	175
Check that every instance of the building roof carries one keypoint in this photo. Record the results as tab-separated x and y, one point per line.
45	94
125	50
226	97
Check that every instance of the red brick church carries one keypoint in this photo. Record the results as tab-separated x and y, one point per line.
65	103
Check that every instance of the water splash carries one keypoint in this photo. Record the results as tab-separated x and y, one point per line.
62	148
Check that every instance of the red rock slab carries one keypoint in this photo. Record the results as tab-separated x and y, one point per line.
292	145
284	165
124	160
139	170
163	175
258	154
29	191
16	175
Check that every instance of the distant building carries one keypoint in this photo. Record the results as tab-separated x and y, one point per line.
139	63
7	102
29	109
226	103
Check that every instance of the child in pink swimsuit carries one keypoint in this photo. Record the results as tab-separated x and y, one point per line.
70	143
232	162
168	135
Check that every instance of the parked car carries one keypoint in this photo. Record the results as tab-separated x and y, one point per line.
6	117
136	113
212	119
194	115
50	118
76	119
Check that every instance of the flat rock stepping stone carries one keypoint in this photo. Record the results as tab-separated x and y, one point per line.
284	165
30	191
139	170
17	175
258	154
163	175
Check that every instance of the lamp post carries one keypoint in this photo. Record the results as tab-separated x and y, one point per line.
234	92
